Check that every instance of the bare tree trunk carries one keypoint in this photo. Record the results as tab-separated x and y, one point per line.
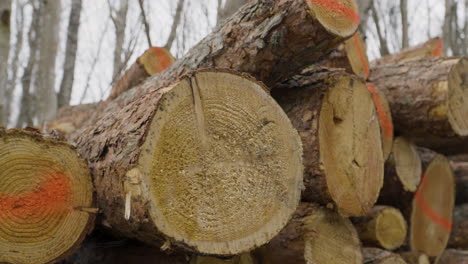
119	18
447	27
175	24
382	40
70	54
49	38
145	23
230	7
364	11
404	23
5	10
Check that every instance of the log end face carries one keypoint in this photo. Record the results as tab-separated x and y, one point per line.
458	97
432	209
44	185
350	146
390	228
155	60
357	55
340	17
222	163
408	163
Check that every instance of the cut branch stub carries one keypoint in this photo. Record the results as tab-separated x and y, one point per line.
335	116
432	208
210	164
46	197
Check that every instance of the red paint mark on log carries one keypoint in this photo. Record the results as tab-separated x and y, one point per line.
52	194
384	119
447	224
338	8
163	56
437	52
362	58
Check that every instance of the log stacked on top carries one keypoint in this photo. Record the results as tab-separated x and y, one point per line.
210	165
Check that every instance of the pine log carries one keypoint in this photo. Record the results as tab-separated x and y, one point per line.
429	49
415	258
383	227
153	61
210	165
428	99
459	235
335	117
271	40
379	256
432	207
46	198
351	56
403	172
461	179
314	235
453	256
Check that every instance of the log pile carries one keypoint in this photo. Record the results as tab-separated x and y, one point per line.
271	141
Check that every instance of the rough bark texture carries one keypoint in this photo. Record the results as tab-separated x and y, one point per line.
461	178
71	117
379	256
459	235
429	49
229	8
428	98
122	146
70	54
303	98
5	14
453	256
314	235
415	258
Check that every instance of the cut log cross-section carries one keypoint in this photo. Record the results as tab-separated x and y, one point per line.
432	207
153	61
336	119
314	235
383	227
428	98
210	164
46	198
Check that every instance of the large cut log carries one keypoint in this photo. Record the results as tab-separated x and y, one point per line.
461	179
351	56
210	164
429	49
271	40
415	258
314	235
335	117
379	256
153	61
383	227
403	172
459	235
453	256
432	207
46	198
428	99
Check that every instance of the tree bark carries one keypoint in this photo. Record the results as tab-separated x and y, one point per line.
314	235
379	256
461	178
66	86
429	49
459	235
453	256
46	198
336	119
191	166
428	98
404	24
415	258
48	45
5	13
230	7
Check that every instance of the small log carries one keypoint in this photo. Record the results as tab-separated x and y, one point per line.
351	56
453	256
71	117
383	227
314	235
428	99
335	117
415	258
46	198
153	61
379	256
429	49
432	207
459	235
210	165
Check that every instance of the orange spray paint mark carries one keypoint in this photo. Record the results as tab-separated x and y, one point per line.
362	58
165	59
437	52
52	194
447	224
384	119
339	8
